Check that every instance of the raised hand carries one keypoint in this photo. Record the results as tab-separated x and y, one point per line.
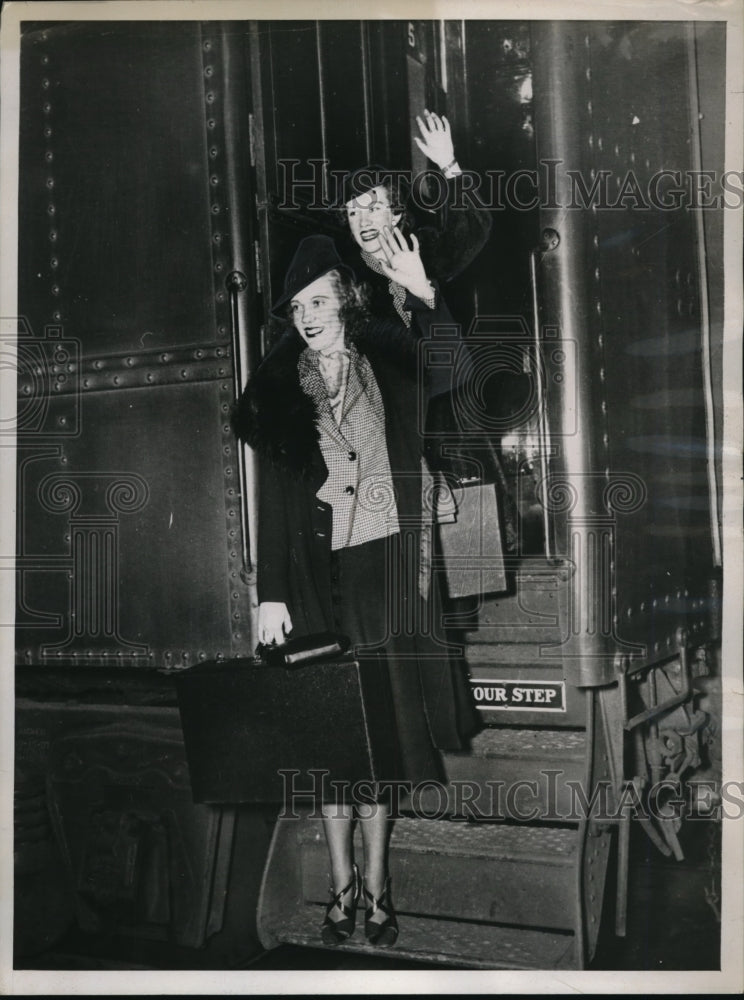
436	139
403	264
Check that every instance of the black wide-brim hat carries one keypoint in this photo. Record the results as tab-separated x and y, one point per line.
314	257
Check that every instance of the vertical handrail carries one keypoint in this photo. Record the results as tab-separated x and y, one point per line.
236	282
550	240
696	154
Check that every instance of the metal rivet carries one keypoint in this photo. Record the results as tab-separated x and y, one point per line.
209	97
46	107
116	380
50	182
211	123
49	156
47	132
52	235
208	70
130	361
214	180
57	316
55	289
51	209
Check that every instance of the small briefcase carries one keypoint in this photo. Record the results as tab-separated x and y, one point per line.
259	733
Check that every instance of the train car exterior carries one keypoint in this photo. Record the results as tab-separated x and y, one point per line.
167	172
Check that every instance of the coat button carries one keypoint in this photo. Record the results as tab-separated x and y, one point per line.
349	490
352	456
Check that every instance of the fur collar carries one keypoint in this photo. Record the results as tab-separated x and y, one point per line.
277	419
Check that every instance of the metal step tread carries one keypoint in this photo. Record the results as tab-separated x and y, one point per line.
495	741
543	844
482	648
444	942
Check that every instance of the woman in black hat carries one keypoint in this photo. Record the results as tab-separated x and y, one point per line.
333	413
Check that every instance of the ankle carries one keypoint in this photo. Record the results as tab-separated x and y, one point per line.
375	884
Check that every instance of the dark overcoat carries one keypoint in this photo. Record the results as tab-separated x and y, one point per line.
277	419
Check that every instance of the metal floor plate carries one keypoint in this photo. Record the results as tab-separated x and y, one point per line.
446	942
496	741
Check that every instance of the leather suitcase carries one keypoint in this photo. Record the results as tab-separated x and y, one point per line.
244	723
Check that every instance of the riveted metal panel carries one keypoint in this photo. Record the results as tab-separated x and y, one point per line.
648	285
154	472
119	189
628	488
131	545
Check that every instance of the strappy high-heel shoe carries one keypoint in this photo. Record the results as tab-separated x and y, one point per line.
334	932
381	933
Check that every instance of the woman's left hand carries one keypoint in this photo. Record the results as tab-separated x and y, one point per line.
403	264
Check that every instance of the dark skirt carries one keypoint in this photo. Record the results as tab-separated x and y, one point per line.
376	603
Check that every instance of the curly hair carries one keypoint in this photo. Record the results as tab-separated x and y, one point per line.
354	309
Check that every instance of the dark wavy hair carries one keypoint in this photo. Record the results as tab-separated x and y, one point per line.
354	310
365	179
